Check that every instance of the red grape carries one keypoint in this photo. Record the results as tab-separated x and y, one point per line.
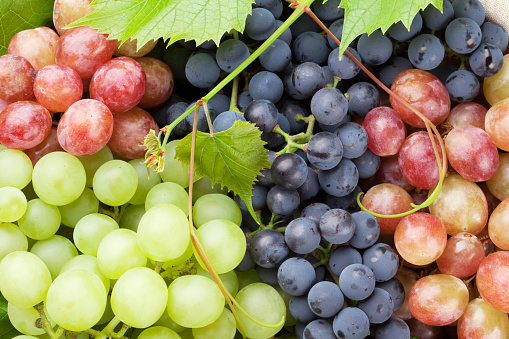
497	124
48	145
425	93
119	84
85	127
467	113
385	129
492	280
24	124
17	78
130	48
67	11
480	320
497	225
159	82
57	87
390	173
38	46
129	130
462	255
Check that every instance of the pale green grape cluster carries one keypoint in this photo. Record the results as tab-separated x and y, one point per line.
167	193
16	168
11	239
115	182
40	221
90	231
13	204
216	206
55	252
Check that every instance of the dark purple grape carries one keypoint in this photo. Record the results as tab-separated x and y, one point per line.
268	248
289	170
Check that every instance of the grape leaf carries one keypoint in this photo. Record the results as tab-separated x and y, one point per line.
7	331
18	15
233	158
143	20
366	16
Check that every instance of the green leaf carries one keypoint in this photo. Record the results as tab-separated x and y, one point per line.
16	16
7	331
366	16
198	20
233	158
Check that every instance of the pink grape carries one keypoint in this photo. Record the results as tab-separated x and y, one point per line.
497	225
67	11
462	255
129	48
84	50
499	183
497	124
417	160
17	78
119	84
480	320
438	299
420	238
85	127
387	199
390	173
386	131
38	46
467	113
492	280
425	93
472	153
159	82
57	87
129	130
48	145
24	124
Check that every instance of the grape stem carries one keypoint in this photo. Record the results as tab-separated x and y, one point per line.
108	331
430	127
46	324
297	141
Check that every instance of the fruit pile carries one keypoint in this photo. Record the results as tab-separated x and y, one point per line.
95	244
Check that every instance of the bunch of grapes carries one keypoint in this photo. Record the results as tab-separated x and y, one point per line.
90	239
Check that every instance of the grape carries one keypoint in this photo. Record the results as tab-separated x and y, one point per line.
390	70
260	24
94	161
472	153
13	204
363	97
472	9
229	279
395	289
302	235
385	130
243	100
296	276
325	299
461	206
67	11
435	19
274	6
378	306
16	168
201	70
462	255
290	108
496	225
86	203
226	120
340	180
223	328
354	139
351	323
392	328
494	87
48	145
495	124
426	51
263	114
131	49
425	93
40	221
367	164
17	76
118	252
337	226
38	46
24	279
264	304
366	231
55	251
329	106
62	170
407	278
115	182
305	80
276	57
11	239
494	34
84	50
167	193
487	60
491	280
156	332
400	32
25	320
468	113
289	170
375	48
463	35
348	202
174	170
319	328
223	242
147	179
76	292
159	81
410	232
328	11
268	248
266	85
336	28
438	299
268	276
357	281
88	263
194	301
343	257
57	87
382	259
314	211
282	201
482	320
90	230
345	68
324	150
310	47
14	120
299	308
230	54
216	206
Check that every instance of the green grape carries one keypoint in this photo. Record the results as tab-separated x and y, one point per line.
54	251
88	263
108	313
115	182
118	252
158	332
25	337
139	297
194	301
24	319
24	279
247	278
216	206
16	168
145	181
166	321
168	193
224	327
13	204
204	186
76	300
90	230
94	161
12	239
188	253
229	279
58	178
264	304
40	221
163	232
131	217
290	320
174	170
223	242
86	203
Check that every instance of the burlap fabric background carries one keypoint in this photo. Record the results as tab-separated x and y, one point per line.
497	11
